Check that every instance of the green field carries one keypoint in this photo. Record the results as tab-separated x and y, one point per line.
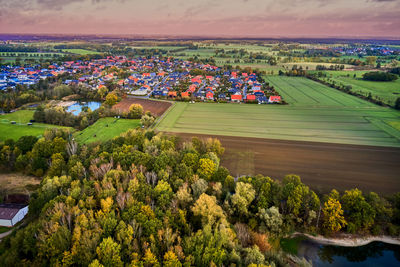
21	117
80	51
10	57
315	113
299	91
105	129
388	92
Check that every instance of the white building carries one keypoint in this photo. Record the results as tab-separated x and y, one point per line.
11	214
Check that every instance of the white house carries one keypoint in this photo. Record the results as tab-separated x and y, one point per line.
10	214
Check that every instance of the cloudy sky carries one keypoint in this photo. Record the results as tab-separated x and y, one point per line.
250	18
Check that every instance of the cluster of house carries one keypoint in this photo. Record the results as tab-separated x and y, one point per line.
367	50
150	77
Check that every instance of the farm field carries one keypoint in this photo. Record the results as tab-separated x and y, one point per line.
105	129
364	124
80	51
388	92
323	166
21	117
10	57
168	48
156	107
300	91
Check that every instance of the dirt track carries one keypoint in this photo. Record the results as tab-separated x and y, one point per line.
322	166
157	108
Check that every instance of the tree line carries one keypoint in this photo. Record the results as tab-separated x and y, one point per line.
148	199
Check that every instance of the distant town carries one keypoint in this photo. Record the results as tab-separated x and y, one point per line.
154	77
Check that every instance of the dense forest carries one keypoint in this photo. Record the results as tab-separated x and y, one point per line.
148	199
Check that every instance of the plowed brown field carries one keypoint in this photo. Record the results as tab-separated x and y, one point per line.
322	166
157	108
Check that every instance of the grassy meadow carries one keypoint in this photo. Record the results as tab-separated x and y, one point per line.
388	92
80	51
21	117
105	129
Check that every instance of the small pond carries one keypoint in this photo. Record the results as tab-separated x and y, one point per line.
373	254
78	106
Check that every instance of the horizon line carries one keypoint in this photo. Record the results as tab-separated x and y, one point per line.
208	37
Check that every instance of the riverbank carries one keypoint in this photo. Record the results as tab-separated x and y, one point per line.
347	240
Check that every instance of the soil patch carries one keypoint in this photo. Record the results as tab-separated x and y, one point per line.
157	108
322	166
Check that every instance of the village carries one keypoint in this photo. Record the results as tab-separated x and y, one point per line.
172	79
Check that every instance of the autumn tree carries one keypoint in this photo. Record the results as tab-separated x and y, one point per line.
147	120
208	210
244	195
206	168
135	111
111	99
108	253
333	215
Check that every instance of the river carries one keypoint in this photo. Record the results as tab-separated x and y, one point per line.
374	254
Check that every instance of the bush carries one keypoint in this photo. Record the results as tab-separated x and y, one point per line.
379	76
397	103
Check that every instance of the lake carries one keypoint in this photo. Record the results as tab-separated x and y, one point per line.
77	107
373	254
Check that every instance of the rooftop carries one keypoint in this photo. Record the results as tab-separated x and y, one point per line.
9	210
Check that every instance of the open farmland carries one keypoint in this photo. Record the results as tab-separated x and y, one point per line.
80	51
321	165
21	117
105	129
157	108
388	92
352	121
299	91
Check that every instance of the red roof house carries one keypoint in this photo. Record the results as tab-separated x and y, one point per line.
172	94
209	95
236	97
275	98
250	97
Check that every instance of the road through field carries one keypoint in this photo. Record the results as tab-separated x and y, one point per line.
322	166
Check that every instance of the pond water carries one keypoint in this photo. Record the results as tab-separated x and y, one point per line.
78	106
373	254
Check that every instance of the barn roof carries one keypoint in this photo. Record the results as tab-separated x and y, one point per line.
8	210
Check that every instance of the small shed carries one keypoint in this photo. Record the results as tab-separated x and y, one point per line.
10	213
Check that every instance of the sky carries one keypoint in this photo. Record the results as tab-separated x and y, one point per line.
216	18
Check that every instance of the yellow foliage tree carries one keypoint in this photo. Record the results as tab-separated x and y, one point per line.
111	99
333	215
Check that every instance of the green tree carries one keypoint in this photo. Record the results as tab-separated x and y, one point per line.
108	253
271	220
147	120
359	214
84	123
57	165
244	195
371	60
